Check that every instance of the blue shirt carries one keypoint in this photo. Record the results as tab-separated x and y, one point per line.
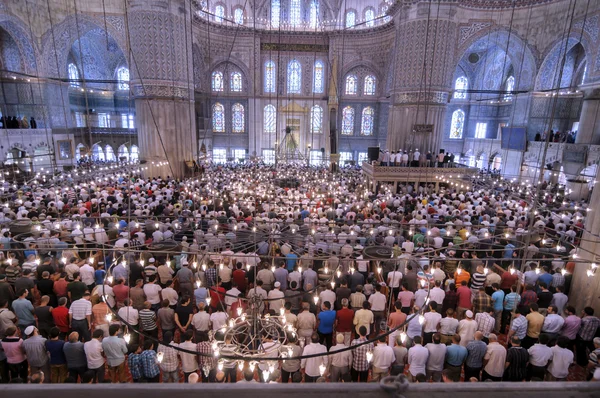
456	354
99	276
498	300
508	250
200	295
57	355
24	311
546	278
135	366
149	366
326	320
290	261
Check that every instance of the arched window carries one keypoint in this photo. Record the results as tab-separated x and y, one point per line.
348	121
294	77
269	77
123	78
350	19
110	154
384	10
135	153
457	125
366	123
370	85
351	83
295	12
218	118
370	17
97	153
314	14
123	152
73	75
462	83
316	119
217	81
275	13
270	122
238	16
318	83
510	86
584	74
237	118
236	82
219	13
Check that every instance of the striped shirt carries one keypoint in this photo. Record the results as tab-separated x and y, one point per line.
588	327
511	300
519	325
80	309
477	281
147	320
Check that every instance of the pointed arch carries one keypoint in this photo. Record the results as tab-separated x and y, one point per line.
457	124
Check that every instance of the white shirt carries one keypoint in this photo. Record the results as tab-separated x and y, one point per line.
377	301
276	305
496	357
539	354
311	365
417	359
201	321
152	291
553	323
448	326
168	293
561	359
341	359
466	331
327	295
420	297
87	274
437	356
130	315
432	319
394	279
93	352
189	362
383	356
437	294
218	319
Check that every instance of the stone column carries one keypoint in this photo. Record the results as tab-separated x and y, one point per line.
589	121
423	70
162	83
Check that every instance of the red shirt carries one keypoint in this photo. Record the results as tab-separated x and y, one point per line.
344	318
239	277
508	280
464	297
217	297
60	288
61	318
235	306
121	293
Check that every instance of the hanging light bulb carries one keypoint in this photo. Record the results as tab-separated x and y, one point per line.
109	317
266	375
332	285
537	270
252	366
486	270
208	301
379	270
369	356
110	279
127	338
300	269
316	299
338	273
421	319
459	270
160	356
590	273
203	267
241	365
321	369
403	337
511	270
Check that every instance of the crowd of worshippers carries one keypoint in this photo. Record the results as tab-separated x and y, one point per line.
456	258
410	158
15	122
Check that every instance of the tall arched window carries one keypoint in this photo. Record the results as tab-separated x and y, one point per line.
351	85
270	122
219	13
318	83
314	14
218	118
457	124
97	153
238	118
275	13
370	17
584	74
135	153
370	85
462	83
350	19
217	81
295	18
366	122
73	75
110	154
384	10
123	78
236	82
316	119
294	77
348	121
510	86
269	77
238	16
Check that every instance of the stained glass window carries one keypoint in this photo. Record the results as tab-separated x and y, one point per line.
218	118
294	77
363	157
73	75
314	14
123	78
219	13
318	78
461	84
237	118
345	157
350	19
351	85
110	154
510	86
369	87
316	119
135	153
295	12
217	81
457	124
370	17
270	119
270	77
348	121
236	81
238	16
366	123
316	157
275	13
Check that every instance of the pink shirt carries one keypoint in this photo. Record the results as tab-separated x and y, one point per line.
13	348
406	297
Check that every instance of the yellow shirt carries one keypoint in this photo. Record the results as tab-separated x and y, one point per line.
364	318
535	321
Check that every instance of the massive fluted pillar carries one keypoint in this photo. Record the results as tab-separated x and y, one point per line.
589	122
162	74
422	72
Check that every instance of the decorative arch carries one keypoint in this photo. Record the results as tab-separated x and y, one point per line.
550	69
19	32
232	65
